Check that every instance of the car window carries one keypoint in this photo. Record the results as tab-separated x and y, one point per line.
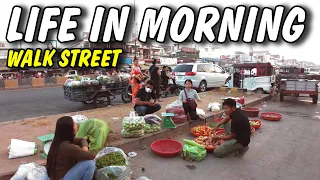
183	68
218	69
211	68
201	68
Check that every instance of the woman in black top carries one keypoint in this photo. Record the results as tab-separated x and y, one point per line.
164	77
154	74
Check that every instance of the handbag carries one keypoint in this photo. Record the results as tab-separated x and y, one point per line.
191	102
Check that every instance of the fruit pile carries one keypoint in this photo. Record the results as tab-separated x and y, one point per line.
201	130
254	123
221	134
208	142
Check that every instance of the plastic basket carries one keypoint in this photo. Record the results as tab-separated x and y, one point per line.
166	147
251	111
256	126
271	116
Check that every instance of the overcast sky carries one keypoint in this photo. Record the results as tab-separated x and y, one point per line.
302	51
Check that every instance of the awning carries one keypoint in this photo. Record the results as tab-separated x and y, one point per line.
125	61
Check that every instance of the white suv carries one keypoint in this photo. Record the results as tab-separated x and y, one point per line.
203	75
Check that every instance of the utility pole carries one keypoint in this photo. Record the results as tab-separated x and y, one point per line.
251	53
135	30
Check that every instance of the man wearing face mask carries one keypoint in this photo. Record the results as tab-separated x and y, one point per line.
143	105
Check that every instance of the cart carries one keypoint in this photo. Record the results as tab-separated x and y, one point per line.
299	86
100	94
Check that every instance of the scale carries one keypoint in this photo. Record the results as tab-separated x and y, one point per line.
46	141
167	121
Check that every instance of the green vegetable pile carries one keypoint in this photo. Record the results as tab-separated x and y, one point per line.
132	134
213	124
130	124
103	79
150	128
112	159
77	78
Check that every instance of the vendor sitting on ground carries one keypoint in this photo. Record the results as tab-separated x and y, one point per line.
69	157
238	136
192	94
143	105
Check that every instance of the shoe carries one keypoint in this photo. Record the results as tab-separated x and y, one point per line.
242	151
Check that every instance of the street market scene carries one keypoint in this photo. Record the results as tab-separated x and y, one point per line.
166	111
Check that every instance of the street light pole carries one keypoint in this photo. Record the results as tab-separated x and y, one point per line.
135	30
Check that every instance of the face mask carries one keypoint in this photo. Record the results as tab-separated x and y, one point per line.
148	90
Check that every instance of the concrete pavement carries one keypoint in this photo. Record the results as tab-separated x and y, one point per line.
20	104
284	150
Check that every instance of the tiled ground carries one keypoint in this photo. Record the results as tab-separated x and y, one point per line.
284	150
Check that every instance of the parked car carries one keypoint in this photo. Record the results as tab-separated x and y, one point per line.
203	75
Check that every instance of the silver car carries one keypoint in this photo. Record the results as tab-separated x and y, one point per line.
203	75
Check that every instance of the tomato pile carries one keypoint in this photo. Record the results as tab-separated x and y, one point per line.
201	130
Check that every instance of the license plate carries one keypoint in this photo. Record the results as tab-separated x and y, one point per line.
180	77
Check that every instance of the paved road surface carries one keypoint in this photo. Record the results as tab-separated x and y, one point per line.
19	104
284	150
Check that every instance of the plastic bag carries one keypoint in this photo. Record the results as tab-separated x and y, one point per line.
75	83
175	110
176	103
19	148
150	128
121	172
135	123
192	151
96	131
31	171
79	118
200	112
214	107
178	119
143	178
94	82
132	133
68	82
85	82
152	119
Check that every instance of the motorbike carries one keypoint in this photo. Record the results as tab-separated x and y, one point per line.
173	89
129	89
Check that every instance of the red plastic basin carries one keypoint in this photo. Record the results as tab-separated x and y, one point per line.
271	116
166	147
256	126
251	111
